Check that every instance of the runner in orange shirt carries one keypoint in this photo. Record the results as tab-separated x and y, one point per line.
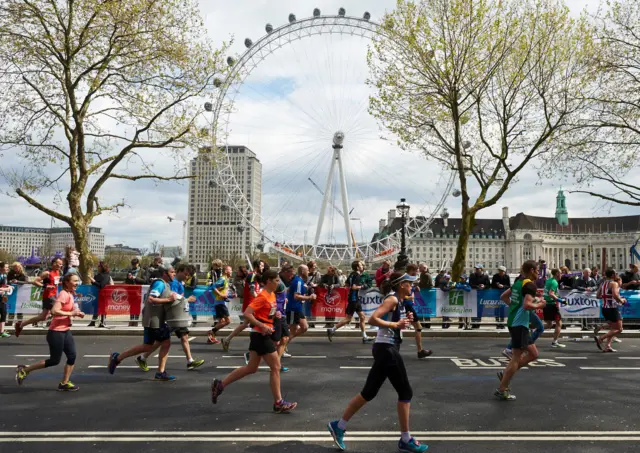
260	314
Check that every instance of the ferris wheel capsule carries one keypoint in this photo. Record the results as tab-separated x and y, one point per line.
342	12
456	193
269	28
208	106
230	61
292	18
316	12
217	82
366	16
248	43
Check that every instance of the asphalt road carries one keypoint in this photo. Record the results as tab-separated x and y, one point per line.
574	400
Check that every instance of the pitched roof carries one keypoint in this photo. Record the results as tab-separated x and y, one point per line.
523	221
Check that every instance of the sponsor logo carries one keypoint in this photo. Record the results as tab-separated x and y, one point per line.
36	293
119	301
456	298
492	303
333	298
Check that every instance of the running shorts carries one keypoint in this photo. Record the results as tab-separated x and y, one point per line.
47	304
611	314
152	335
354	307
280	329
520	337
261	344
3	312
221	311
181	332
294	317
551	313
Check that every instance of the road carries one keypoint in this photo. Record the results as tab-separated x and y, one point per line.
574	400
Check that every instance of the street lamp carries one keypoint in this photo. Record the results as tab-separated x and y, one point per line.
184	233
403	260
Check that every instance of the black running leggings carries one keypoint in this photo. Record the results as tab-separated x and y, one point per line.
387	363
60	342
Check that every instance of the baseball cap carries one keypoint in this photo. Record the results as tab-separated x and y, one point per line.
479	266
502	268
405	278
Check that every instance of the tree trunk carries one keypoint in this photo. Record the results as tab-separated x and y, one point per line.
468	221
81	237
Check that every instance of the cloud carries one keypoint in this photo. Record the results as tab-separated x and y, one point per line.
287	112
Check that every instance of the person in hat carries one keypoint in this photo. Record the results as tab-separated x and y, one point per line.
390	318
502	282
479	281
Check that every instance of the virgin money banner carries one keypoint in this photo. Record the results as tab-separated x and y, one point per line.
332	304
120	300
456	303
579	304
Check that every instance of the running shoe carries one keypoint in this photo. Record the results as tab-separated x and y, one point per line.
508	353
68	387
337	434
225	345
367	340
609	349
286	354
164	376
17	328
617	340
598	342
596	330
555	344
330	334
413	446
212	339
5	335
284	407
504	396
113	362
284	369
216	390
195	364
424	353
247	357
21	374
142	363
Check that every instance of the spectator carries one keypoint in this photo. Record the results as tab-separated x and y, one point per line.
342	278
425	282
71	262
596	276
215	273
16	275
383	272
444	283
156	269
135	276
567	279
101	279
501	281
439	277
313	280
479	281
286	274
631	278
585	283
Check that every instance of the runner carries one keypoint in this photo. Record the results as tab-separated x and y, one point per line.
183	273
251	290
5	291
354	283
260	313
521	298
49	281
220	290
296	297
609	292
552	308
155	329
412	270
390	320
59	336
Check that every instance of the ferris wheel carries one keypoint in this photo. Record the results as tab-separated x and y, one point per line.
298	98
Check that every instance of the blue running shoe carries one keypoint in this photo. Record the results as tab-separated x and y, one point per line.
413	446
164	376
284	369
113	362
337	434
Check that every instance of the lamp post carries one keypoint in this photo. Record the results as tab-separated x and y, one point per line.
184	234
403	260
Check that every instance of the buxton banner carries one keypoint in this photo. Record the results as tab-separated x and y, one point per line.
579	304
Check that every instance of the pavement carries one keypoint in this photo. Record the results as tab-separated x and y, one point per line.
571	400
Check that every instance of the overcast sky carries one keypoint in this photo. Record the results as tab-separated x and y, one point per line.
287	112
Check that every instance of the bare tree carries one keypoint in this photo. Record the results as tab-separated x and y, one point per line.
92	92
154	247
482	87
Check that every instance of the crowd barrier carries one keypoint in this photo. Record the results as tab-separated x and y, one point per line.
122	302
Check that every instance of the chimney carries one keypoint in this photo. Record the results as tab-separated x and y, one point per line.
505	212
392	215
382	224
505	220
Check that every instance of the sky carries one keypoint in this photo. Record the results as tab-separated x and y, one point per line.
287	111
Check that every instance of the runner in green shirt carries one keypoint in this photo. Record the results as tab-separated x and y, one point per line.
551	309
521	299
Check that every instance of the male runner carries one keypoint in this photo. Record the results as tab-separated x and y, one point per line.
183	273
155	329
251	291
260	314
298	295
220	290
412	271
49	281
354	283
609	292
551	309
521	298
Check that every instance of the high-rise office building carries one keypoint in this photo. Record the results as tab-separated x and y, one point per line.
215	230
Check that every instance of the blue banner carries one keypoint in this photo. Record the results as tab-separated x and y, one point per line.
489	303
87	299
12	299
425	303
632	308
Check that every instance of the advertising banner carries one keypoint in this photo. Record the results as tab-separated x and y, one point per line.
425	303
119	300
333	304
579	304
29	299
87	299
456	303
370	299
632	308
11	299
490	305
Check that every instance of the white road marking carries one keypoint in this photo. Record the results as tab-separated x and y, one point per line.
9	366
629	358
570	358
171	356
608	368
31	355
430	357
190	339
234	367
119	366
486	368
97	356
355	367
